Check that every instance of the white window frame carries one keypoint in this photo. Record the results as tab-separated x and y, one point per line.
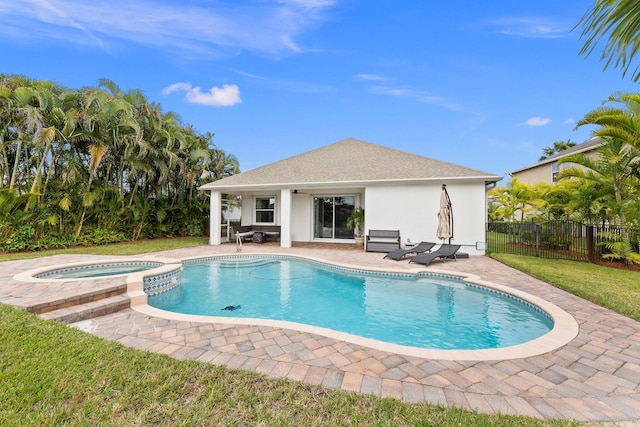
357	204
557	167
555	170
256	209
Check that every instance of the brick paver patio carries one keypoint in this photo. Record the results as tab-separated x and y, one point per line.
594	378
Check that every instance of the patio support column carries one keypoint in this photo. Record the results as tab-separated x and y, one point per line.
215	217
285	218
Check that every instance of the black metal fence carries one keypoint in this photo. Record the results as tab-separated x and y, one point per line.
553	239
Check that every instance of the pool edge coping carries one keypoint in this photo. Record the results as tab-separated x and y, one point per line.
29	275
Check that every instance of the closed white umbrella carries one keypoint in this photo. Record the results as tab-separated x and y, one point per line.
445	216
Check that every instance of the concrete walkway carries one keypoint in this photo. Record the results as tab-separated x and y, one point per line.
594	378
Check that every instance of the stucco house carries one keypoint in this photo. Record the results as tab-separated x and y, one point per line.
547	170
310	196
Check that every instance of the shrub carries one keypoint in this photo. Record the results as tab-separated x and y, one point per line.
23	239
100	236
554	241
20	240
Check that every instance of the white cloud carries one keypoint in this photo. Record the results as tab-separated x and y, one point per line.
308	3
531	28
223	96
250	75
49	13
196	28
537	121
378	87
570	121
421	96
289	85
180	86
368	77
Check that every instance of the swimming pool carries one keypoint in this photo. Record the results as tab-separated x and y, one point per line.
423	311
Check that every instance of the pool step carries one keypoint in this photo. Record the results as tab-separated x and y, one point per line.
79	296
89	310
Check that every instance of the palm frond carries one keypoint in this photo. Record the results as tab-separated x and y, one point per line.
614	23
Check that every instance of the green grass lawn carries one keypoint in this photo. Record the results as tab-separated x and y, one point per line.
126	248
52	374
55	375
618	290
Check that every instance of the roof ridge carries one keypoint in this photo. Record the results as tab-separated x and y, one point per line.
351	160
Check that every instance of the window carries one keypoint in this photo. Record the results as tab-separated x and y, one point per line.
330	214
555	169
265	210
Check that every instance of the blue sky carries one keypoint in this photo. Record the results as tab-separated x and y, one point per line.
486	84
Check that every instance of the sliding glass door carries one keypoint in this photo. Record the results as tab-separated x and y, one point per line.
330	214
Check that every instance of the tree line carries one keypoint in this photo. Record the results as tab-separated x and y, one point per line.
96	165
602	188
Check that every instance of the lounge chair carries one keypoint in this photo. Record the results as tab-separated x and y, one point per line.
444	251
397	254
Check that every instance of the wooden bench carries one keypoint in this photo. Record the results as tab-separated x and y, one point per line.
383	240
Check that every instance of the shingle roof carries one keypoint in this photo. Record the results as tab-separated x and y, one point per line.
579	148
350	161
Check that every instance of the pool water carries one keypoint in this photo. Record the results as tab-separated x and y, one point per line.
423	312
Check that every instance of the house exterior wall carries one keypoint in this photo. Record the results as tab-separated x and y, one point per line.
413	209
247	210
534	175
544	172
301	218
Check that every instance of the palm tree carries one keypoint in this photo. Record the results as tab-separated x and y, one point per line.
557	147
617	23
73	158
108	124
44	138
516	197
610	170
27	118
617	122
619	127
551	200
5	133
587	201
63	117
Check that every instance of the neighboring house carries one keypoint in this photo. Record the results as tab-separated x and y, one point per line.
547	170
310	196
